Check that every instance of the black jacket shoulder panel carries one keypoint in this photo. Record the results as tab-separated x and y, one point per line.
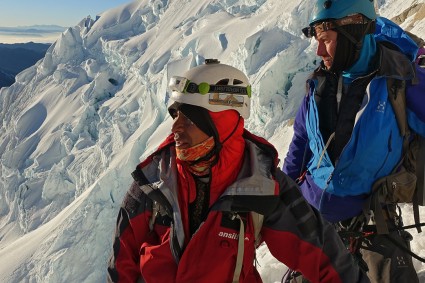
135	201
393	63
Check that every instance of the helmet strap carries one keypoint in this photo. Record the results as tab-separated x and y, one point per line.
234	130
357	43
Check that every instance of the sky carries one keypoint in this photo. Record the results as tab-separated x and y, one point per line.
51	12
63	13
75	125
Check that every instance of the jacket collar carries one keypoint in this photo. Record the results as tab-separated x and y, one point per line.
254	189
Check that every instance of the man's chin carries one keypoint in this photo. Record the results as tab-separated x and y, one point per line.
326	64
182	145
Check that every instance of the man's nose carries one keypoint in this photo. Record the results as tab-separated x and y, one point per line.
321	49
180	123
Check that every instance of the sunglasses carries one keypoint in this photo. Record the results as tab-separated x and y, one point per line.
314	30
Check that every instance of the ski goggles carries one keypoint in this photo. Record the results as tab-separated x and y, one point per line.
314	30
184	85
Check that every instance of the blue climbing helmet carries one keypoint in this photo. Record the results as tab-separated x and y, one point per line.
337	9
335	13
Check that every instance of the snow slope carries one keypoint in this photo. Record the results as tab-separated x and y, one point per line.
76	124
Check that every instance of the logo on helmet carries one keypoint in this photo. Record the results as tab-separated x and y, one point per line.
226	100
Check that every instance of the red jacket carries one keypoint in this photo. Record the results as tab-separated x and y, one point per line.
245	179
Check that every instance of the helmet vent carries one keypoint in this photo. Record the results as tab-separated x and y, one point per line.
226	82
212	61
327	4
223	82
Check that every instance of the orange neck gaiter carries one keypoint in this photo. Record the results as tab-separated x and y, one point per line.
192	154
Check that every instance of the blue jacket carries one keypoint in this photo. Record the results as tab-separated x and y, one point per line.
375	145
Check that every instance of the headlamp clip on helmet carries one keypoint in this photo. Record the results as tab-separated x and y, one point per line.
184	85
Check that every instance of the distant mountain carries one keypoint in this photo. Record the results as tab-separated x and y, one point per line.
15	58
6	79
33	29
36	47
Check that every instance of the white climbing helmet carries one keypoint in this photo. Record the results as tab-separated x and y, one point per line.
214	86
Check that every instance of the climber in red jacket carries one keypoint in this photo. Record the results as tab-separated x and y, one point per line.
194	209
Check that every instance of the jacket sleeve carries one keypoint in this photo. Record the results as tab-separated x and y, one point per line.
299	151
415	96
297	236
132	229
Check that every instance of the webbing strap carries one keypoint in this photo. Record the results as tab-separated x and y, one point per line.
331	137
155	210
420	171
381	225
416	216
419	198
405	249
257	221
239	258
373	204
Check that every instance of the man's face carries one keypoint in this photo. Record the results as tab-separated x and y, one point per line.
186	133
326	46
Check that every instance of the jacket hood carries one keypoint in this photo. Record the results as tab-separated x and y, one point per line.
387	31
230	127
366	61
227	123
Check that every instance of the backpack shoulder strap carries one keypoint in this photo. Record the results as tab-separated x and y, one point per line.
257	221
420	172
239	257
419	197
397	96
